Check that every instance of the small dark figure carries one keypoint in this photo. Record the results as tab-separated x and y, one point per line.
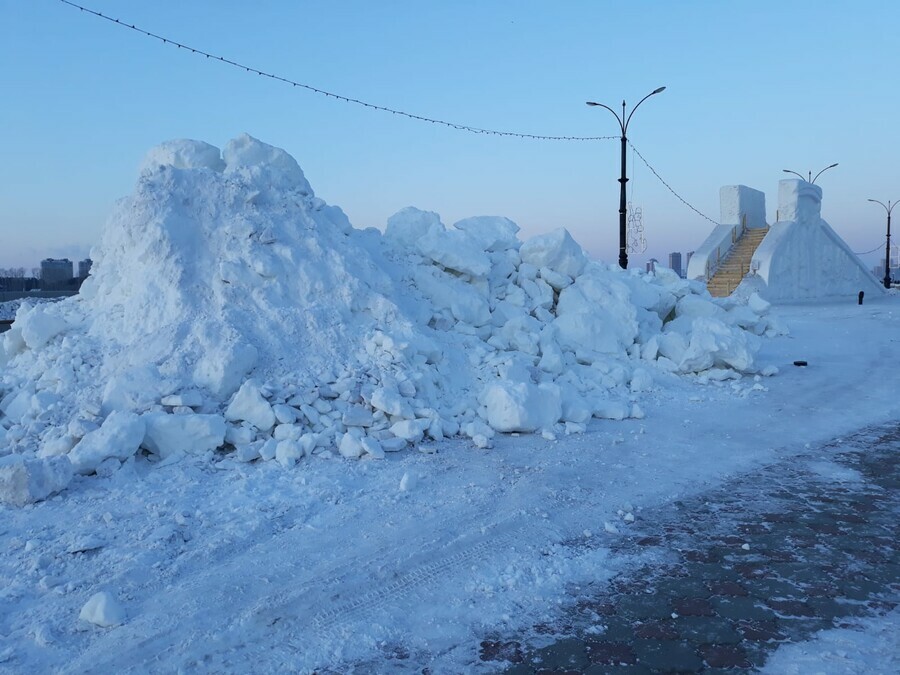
861	294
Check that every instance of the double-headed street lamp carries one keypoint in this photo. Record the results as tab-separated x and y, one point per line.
809	178
887	246
623	125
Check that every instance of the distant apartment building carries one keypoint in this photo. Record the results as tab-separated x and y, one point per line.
675	263
84	268
651	265
56	272
690	254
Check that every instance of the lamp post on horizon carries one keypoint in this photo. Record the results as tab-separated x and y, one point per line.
623	125
887	246
809	178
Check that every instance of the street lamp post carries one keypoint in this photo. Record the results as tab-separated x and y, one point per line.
623	125
809	178
887	247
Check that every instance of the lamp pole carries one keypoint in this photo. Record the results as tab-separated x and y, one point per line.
809	178
887	247
623	125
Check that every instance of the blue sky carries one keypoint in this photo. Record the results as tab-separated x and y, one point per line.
752	88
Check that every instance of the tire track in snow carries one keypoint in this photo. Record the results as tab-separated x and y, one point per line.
313	623
304	606
326	621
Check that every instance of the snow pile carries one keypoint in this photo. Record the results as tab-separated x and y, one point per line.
231	309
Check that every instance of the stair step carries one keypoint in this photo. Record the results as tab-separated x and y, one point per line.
732	269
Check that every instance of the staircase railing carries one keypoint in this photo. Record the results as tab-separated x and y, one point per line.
722	251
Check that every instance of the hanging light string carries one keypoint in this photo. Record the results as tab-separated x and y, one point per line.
339	97
880	246
372	106
669	187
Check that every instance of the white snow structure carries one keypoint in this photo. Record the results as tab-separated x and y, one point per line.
740	208
802	258
231	313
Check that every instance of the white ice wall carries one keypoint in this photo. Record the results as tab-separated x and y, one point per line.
737	202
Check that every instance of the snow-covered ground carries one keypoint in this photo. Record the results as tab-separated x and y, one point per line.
239	568
337	551
866	646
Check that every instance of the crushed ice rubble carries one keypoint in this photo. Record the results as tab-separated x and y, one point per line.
229	309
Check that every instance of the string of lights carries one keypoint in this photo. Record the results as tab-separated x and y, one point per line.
669	187
373	106
880	246
329	94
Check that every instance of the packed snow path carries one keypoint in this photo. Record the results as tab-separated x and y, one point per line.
770	558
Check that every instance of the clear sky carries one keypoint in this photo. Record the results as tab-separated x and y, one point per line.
752	88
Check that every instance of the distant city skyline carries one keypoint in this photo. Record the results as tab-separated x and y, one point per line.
77	268
92	98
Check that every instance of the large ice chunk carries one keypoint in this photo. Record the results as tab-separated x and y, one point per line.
119	436
168	434
16	404
521	406
408	225
249	405
713	343
102	609
265	164
555	250
39	326
490	233
183	154
25	481
455	250
585	333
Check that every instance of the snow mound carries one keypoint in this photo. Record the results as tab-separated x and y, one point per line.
230	310
102	609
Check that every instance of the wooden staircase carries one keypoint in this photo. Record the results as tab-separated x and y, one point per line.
737	264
